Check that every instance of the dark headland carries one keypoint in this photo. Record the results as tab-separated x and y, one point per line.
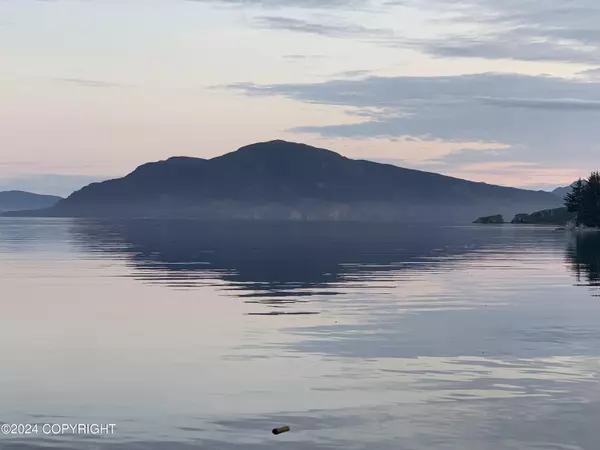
280	180
581	210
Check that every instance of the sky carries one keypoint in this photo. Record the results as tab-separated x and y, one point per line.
506	92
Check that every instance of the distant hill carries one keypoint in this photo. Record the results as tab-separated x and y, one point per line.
560	192
20	200
284	180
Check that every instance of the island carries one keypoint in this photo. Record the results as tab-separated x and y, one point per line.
498	218
556	216
279	180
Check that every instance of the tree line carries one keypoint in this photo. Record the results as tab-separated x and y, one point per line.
584	201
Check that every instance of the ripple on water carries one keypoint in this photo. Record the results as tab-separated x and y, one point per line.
191	336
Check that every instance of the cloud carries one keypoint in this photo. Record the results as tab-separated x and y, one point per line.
591	74
504	46
308	4
539	118
567	104
471	156
339	30
90	83
353	73
533	30
302	57
409	92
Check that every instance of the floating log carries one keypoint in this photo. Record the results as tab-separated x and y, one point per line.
280	430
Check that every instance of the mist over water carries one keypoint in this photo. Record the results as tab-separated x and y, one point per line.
363	336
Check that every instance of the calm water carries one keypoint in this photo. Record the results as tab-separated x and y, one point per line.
192	336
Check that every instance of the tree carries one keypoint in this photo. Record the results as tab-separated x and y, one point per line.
584	201
590	202
574	199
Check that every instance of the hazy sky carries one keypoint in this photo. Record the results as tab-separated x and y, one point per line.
503	91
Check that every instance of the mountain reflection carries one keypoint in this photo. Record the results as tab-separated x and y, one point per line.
268	259
583	255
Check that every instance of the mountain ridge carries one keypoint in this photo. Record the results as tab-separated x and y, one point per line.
14	200
285	180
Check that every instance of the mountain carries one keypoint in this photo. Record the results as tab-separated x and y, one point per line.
284	180
20	200
560	192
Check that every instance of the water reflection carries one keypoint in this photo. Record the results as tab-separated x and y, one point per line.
583	255
287	261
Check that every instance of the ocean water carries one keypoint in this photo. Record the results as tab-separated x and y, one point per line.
187	335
